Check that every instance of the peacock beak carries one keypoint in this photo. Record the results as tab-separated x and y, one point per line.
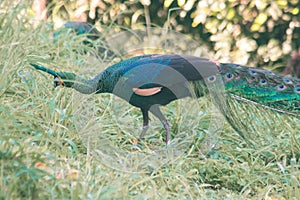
57	81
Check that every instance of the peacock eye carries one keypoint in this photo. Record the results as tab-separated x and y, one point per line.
211	79
263	82
281	87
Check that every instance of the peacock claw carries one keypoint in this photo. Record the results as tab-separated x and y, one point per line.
166	126
143	133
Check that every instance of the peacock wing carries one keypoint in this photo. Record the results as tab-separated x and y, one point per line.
167	70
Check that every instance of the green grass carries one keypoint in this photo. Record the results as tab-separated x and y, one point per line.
58	144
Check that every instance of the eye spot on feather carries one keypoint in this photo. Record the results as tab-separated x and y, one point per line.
287	80
269	72
211	79
281	87
263	82
297	90
237	76
229	77
252	72
251	79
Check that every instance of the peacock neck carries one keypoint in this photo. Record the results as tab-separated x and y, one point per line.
101	83
106	80
84	86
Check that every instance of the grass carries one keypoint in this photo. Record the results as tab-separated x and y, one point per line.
58	144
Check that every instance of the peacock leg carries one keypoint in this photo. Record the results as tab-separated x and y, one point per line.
155	110
145	122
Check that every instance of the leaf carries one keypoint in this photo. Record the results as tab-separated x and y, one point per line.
200	18
230	14
282	3
167	3
180	2
295	11
259	20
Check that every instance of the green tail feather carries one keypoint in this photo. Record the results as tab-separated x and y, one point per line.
258	102
263	87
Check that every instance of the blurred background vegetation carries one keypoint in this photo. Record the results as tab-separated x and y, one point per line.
260	33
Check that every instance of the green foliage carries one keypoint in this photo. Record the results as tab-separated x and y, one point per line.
43	157
259	33
261	30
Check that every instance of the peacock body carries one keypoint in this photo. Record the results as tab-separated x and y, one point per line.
151	81
81	28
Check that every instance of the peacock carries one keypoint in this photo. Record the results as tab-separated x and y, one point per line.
151	81
91	33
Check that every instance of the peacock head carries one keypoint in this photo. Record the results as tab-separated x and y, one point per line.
66	79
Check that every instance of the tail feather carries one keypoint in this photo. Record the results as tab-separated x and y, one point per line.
263	87
258	102
263	106
257	124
